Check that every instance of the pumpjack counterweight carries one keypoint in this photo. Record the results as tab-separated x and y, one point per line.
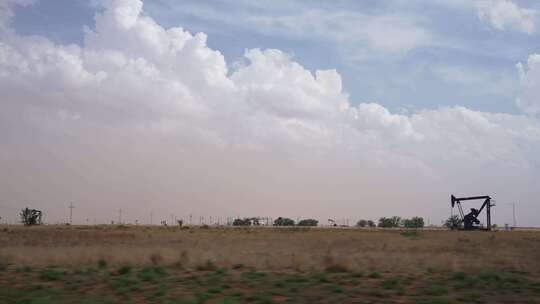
470	220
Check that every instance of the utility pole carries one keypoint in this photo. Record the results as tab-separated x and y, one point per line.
119	216
514	213
151	217
71	213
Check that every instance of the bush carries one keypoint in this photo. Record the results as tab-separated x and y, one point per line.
283	221
415	222
389	222
308	222
30	217
362	223
51	275
124	269
102	263
453	222
242	222
371	223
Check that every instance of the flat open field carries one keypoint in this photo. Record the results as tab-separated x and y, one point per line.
128	264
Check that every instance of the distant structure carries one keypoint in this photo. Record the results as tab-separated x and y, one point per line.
470	221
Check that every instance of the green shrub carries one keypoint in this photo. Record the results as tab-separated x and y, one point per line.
415	222
374	275
283	221
124	269
434	290
51	275
409	233
102	263
454	222
389	222
242	222
389	283
308	223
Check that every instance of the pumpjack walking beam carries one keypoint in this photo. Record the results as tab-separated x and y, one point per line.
474	212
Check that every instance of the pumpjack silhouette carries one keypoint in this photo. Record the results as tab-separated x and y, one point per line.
470	221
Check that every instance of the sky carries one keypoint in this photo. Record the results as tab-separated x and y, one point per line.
342	109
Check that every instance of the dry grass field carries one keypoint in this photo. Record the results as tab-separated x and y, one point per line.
140	264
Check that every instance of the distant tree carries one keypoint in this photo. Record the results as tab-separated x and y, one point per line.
283	221
308	222
454	222
389	222
362	223
371	223
415	222
242	222
30	217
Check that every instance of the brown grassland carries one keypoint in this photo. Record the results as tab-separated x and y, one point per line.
141	264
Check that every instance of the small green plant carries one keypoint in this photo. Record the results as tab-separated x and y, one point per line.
337	289
374	275
433	290
151	273
124	269
102	263
51	275
412	233
253	275
321	277
389	283
459	276
214	290
221	271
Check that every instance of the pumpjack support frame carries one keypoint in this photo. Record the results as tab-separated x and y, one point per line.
472	217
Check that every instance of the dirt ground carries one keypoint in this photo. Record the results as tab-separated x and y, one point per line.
138	264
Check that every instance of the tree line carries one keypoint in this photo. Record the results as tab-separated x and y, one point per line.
384	222
280	221
398	222
34	217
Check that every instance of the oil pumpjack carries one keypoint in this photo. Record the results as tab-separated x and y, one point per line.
470	220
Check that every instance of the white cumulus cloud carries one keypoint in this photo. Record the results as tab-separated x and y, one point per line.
529	91
505	14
